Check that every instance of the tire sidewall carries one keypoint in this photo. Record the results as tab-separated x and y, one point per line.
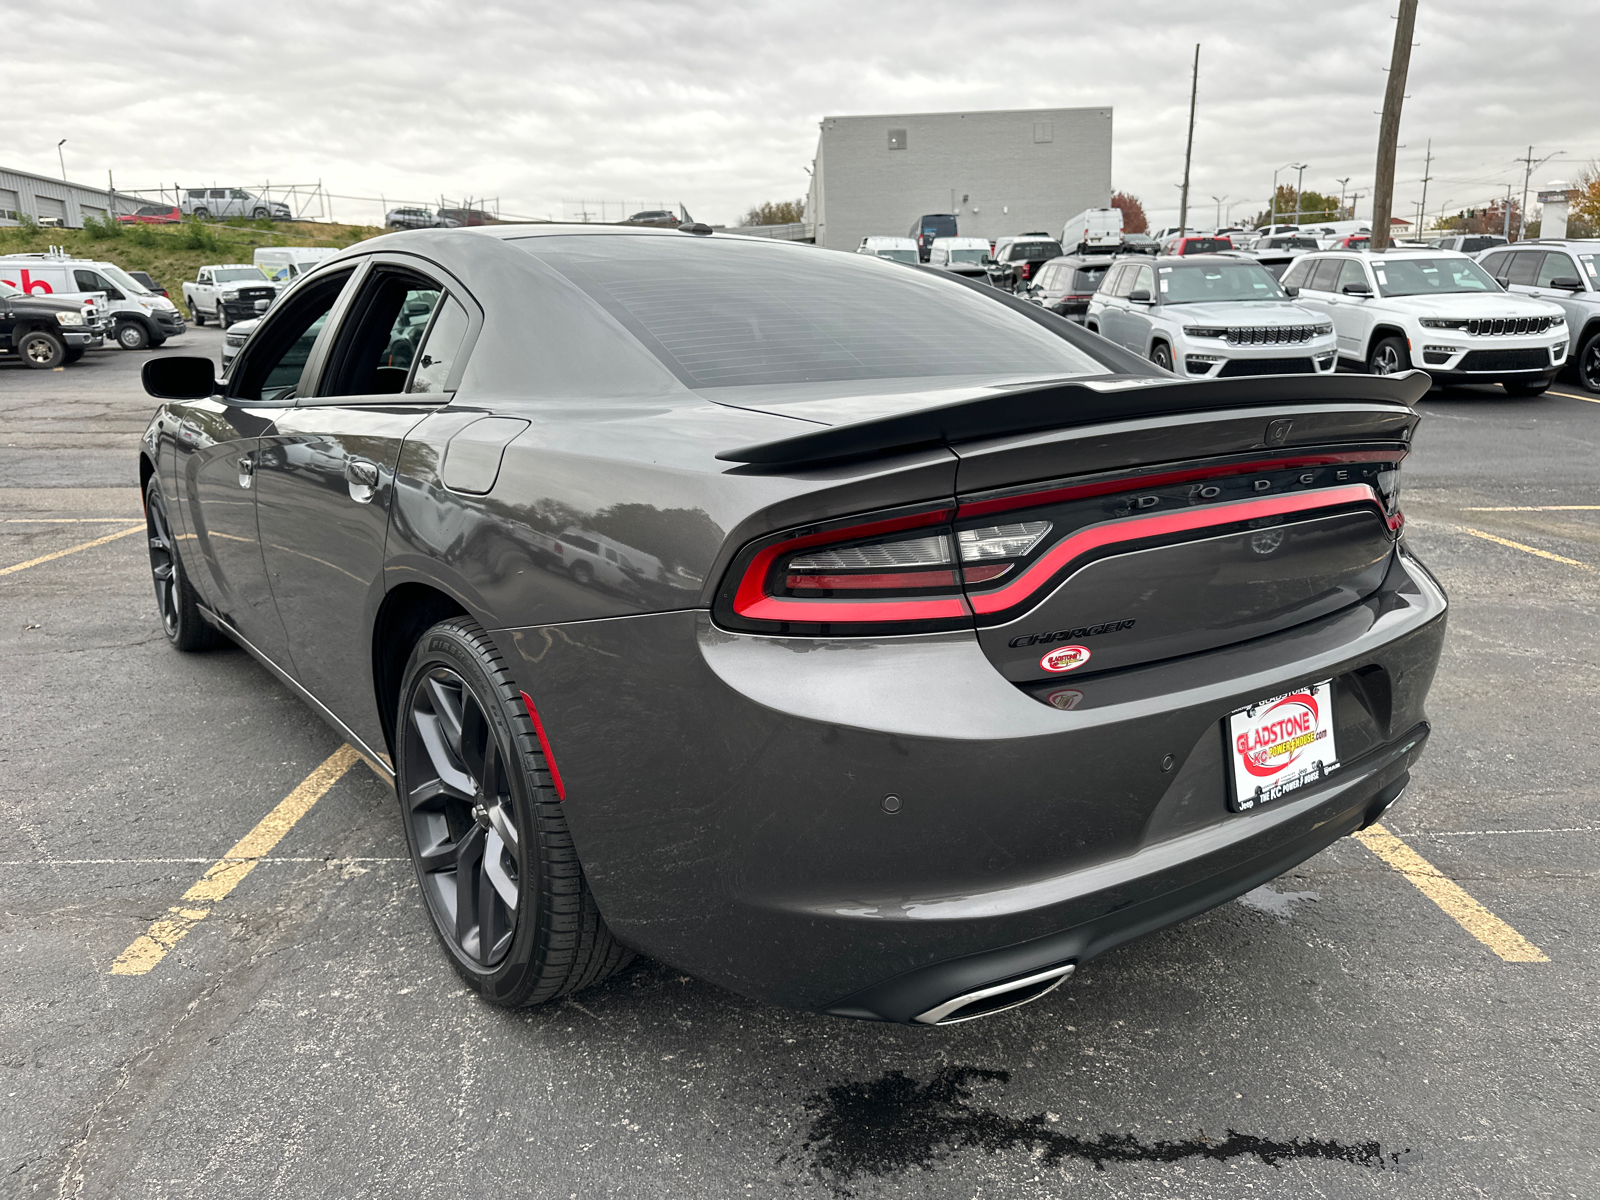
58	355
132	336
1589	348
1403	357
448	646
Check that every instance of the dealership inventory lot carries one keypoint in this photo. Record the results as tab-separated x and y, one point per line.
1335	1033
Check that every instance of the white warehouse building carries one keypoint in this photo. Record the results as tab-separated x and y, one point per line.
1013	171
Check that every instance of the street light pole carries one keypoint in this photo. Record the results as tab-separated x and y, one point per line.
1342	183
1299	188
1219	200
63	159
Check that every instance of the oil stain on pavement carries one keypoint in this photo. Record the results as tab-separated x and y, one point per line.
886	1126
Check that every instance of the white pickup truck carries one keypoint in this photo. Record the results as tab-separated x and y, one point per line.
228	292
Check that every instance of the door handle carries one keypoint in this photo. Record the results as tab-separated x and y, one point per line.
247	470
361	472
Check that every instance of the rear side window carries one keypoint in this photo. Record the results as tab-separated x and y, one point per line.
1297	275
1322	279
727	313
1525	266
1086	279
1495	264
440	349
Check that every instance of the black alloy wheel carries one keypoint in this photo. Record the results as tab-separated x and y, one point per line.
41	350
132	336
176	601
1389	357
1161	355
1589	364
486	829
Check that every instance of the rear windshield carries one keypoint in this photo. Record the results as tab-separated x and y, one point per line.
729	313
905	256
1087	279
1034	251
1206	245
939	226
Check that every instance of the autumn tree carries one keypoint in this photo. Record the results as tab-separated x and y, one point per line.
1133	218
776	212
1313	208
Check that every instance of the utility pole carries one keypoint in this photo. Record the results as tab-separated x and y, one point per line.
1507	214
1389	127
1299	190
1188	149
1522	213
1342	183
1427	174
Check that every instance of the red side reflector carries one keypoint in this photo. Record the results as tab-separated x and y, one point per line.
544	744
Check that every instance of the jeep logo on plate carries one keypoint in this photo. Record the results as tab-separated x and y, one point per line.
1065	658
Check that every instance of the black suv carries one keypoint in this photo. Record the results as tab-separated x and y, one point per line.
45	334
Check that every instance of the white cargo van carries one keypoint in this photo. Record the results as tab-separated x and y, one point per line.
285	264
1092	229
898	249
139	316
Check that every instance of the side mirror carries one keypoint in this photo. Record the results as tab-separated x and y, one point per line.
1356	289
1290	290
179	378
1567	283
1139	296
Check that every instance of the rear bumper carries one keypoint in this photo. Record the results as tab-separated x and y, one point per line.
727	793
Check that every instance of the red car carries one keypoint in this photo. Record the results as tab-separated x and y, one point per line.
152	214
1356	241
1197	245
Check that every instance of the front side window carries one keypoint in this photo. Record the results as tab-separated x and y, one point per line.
728	313
379	339
1325	276
1299	274
1207	282
1352	275
125	281
1144	280
1431	277
1556	266
93	281
270	371
1118	282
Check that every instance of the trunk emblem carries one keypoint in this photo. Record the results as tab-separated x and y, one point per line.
1066	699
1065	658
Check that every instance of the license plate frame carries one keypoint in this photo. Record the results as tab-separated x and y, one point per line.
1279	745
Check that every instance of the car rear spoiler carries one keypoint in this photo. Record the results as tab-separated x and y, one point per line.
1031	408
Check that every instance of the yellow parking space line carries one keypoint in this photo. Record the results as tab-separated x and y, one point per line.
1489	537
1451	897
150	947
44	558
1575	396
1539	508
65	520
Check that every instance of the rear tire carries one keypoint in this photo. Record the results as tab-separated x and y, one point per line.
202	214
259	214
1161	355
582	573
1389	356
132	336
198	316
497	868
1524	387
41	350
177	604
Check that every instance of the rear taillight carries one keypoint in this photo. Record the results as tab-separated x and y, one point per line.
897	571
995	556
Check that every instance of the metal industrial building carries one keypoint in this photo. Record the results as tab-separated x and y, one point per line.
40	198
1001	172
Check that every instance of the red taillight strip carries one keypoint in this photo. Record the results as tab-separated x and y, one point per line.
752	601
1131	483
1130	529
544	744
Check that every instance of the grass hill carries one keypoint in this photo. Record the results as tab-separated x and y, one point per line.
174	253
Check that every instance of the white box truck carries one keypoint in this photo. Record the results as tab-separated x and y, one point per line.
285	264
1092	229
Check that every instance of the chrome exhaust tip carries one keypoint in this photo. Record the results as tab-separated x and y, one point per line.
997	997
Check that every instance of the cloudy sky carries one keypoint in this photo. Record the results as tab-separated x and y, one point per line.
556	107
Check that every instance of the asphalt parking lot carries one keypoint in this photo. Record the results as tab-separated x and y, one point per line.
1408	1015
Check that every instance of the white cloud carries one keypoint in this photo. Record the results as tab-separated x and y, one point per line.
543	105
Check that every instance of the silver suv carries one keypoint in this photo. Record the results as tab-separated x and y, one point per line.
1566	273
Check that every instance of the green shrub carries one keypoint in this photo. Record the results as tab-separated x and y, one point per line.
99	231
195	236
142	235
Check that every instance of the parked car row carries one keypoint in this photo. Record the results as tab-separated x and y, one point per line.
136	314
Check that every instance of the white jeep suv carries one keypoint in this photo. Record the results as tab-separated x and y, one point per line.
1206	316
1435	309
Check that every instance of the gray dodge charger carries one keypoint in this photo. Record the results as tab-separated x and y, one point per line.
851	635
